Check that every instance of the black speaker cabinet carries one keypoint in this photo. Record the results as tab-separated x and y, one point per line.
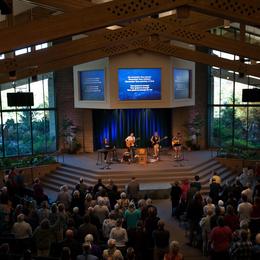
20	99
251	95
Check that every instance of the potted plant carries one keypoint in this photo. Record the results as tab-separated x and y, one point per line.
69	134
194	126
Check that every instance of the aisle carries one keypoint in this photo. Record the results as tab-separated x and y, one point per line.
177	233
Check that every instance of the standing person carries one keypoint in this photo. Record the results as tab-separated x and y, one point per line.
155	140
120	235
131	216
175	197
38	192
220	239
174	253
161	238
241	249
214	189
244	209
194	215
130	144
132	190
106	145
177	146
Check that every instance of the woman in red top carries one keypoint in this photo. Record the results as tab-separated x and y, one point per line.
230	219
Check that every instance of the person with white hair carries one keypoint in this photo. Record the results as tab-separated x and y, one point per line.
174	252
209	206
111	252
89	202
123	202
21	229
101	211
221	207
95	249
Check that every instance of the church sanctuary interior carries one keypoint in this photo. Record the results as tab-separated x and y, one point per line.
129	129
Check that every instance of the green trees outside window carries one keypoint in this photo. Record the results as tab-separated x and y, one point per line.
28	130
232	123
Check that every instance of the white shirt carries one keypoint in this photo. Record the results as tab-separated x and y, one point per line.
244	210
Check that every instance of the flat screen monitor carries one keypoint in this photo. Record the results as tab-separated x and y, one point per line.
92	85
20	99
182	83
139	84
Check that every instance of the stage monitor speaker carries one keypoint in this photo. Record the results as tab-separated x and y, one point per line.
251	95
20	99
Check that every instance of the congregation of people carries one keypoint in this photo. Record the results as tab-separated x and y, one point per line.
101	222
90	222
224	224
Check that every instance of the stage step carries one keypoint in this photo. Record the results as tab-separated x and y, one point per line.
70	175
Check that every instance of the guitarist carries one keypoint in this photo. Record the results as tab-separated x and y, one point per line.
177	145
130	144
155	140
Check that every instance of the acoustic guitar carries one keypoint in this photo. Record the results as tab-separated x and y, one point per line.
130	143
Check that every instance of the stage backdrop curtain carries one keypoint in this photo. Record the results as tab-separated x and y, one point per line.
117	124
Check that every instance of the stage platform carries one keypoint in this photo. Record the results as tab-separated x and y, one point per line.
155	178
89	161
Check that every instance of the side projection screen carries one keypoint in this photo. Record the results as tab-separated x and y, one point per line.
182	83
139	84
92	85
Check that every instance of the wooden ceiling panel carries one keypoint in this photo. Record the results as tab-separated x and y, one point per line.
244	11
146	44
83	20
143	28
63	5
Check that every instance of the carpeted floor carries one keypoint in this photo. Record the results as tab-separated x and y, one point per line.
177	232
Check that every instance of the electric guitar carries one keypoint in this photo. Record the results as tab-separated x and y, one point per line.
158	142
131	143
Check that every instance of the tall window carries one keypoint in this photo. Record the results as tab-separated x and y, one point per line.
232	123
28	130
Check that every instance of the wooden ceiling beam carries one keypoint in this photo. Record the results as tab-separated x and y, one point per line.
199	38
243	11
196	56
136	30
72	48
62	5
195	21
36	13
149	45
70	61
82	20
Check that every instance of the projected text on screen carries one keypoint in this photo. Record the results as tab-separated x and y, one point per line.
139	84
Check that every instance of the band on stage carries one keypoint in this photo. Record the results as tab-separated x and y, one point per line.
131	146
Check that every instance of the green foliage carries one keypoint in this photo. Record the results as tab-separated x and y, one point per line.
238	153
7	163
69	134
